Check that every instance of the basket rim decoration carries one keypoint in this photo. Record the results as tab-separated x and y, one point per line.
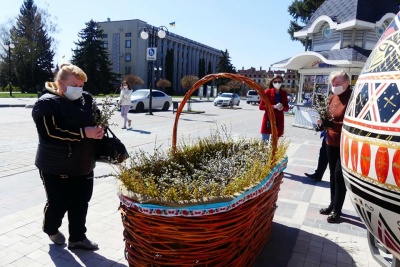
190	209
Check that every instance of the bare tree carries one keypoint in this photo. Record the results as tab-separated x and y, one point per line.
234	85
223	88
187	83
163	83
133	80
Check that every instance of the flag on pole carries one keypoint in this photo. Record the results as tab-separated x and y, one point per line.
172	24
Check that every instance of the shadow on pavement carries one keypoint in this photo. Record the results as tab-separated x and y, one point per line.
305	180
285	241
61	256
139	131
351	219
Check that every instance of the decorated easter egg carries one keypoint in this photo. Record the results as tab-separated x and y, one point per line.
365	159
354	154
371	139
396	167
346	150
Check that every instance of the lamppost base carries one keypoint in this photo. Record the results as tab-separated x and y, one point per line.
149	113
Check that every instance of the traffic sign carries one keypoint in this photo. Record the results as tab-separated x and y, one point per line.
151	53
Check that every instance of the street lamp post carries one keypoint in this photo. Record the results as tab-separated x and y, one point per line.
156	76
151	55
8	46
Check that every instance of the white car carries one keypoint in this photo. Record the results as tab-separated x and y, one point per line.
253	97
140	100
225	99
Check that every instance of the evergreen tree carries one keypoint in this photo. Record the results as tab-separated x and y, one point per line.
301	11
92	57
225	65
32	56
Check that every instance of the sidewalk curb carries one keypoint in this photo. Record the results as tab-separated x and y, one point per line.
14	105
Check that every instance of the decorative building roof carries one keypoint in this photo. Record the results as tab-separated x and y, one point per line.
347	57
347	14
342	15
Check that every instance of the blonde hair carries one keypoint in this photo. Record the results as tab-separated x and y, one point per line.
67	69
337	74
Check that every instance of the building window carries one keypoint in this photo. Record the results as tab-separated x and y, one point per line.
127	56
128	43
326	32
381	29
127	70
105	44
105	35
128	34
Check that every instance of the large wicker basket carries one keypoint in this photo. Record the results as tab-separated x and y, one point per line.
230	233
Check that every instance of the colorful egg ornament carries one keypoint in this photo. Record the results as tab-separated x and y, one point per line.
372	123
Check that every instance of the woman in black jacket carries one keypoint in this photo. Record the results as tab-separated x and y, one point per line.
65	157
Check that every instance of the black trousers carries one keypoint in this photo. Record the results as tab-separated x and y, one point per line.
338	187
72	194
322	160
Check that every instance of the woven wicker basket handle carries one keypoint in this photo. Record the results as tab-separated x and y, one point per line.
237	77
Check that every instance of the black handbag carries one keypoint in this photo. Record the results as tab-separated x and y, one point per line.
110	148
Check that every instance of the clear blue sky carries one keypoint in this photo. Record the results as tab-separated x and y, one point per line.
254	32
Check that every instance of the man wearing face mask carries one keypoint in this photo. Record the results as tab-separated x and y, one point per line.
279	101
65	157
340	82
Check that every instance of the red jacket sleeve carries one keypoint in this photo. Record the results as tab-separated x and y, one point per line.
284	100
262	103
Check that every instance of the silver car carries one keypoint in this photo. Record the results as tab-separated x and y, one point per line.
140	100
225	99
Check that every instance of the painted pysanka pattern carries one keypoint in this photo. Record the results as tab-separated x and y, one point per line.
370	141
386	55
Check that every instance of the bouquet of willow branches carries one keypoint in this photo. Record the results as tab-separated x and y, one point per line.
321	106
103	115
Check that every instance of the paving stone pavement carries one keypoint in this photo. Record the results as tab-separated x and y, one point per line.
300	235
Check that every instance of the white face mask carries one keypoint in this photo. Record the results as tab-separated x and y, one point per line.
277	85
337	90
125	87
73	93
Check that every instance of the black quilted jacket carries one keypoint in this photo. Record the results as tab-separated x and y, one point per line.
63	148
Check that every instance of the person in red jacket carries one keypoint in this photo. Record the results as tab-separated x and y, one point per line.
340	82
278	99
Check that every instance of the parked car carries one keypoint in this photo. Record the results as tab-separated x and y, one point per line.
225	99
252	97
140	100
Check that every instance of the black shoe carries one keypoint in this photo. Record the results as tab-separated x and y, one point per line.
334	217
325	211
84	244
313	176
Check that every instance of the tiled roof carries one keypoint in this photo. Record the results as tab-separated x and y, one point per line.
350	54
342	11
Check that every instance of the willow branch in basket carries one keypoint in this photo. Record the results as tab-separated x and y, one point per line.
249	82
